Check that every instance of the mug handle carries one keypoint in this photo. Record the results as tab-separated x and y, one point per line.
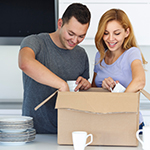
91	139
137	136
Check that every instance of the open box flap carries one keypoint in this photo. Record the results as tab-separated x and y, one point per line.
99	102
145	93
59	105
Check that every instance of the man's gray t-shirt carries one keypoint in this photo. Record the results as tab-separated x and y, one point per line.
67	64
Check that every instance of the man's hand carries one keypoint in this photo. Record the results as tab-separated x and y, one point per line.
82	84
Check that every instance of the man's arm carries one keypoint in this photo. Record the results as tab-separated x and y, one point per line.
37	71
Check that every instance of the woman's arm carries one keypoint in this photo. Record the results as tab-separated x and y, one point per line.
93	81
138	77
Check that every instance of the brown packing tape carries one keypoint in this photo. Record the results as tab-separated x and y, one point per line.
101	113
145	93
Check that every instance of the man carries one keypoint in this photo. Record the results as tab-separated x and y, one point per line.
49	60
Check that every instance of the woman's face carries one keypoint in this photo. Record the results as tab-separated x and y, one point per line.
114	35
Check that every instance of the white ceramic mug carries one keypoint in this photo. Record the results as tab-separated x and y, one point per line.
72	85
118	88
79	139
146	137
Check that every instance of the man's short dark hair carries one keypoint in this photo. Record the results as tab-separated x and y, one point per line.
79	11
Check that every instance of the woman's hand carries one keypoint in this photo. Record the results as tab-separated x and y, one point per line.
108	83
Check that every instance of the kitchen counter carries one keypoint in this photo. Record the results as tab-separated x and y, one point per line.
49	142
7	107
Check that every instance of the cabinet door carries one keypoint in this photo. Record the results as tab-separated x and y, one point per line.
104	1
146	116
137	11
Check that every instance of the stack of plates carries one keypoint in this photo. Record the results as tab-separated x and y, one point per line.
16	130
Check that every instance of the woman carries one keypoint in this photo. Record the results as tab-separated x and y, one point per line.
118	57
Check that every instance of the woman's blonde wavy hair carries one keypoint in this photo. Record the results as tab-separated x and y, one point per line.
122	18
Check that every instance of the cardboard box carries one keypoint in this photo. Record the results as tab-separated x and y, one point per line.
112	118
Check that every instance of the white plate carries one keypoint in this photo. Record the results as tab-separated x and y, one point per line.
12	143
15	119
13	130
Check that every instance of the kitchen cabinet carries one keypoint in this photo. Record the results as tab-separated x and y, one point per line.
137	10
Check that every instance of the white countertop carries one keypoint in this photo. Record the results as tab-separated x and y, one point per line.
49	142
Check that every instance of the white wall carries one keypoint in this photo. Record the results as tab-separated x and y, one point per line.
11	76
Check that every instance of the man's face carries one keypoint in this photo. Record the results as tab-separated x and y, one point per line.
72	33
